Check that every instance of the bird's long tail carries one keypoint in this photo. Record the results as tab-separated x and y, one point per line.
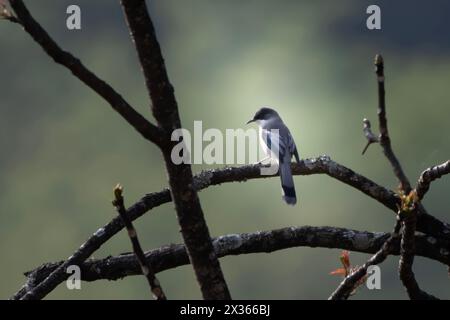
287	182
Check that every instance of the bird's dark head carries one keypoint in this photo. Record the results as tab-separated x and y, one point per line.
264	114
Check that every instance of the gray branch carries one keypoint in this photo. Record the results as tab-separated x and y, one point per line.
321	165
172	256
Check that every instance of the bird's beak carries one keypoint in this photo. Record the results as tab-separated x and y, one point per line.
250	121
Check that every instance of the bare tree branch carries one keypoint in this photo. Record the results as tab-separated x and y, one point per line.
165	109
409	207
407	252
66	59
346	287
146	267
172	256
199	249
322	165
384	138
429	175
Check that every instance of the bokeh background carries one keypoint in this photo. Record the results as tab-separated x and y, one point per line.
63	148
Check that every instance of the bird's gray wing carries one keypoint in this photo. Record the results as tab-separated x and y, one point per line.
294	150
280	142
287	143
275	141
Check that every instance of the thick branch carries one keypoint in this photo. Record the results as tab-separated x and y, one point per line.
322	165
146	267
407	252
429	175
165	109
172	256
164	104
66	59
384	139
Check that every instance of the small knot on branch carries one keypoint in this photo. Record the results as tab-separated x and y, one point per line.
5	13
371	137
379	67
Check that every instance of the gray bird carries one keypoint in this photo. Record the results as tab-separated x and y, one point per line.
279	145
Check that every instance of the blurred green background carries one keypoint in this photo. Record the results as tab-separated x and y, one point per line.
63	148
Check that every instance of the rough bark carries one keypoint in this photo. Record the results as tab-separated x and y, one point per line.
165	110
174	255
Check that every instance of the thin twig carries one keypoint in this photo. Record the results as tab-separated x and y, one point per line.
409	198
66	59
429	175
146	268
384	138
347	286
